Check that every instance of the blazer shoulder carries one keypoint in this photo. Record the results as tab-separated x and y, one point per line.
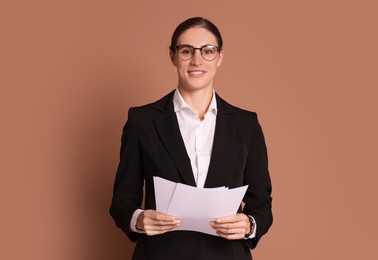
154	108
231	109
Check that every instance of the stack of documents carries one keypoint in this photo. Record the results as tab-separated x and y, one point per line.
196	207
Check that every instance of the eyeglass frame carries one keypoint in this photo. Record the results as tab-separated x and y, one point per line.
200	49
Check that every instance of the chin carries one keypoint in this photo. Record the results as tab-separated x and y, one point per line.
199	85
196	87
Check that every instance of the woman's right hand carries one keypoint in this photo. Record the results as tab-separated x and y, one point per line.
154	223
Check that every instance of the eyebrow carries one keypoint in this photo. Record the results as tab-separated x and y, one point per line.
197	47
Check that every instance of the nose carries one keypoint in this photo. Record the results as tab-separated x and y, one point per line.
197	58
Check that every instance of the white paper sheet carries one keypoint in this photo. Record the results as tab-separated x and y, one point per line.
196	207
164	190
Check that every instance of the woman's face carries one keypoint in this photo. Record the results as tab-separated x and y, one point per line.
196	73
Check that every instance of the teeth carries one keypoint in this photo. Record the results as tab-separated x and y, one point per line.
196	72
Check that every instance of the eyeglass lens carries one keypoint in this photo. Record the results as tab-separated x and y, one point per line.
208	52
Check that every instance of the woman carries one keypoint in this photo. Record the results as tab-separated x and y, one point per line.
194	137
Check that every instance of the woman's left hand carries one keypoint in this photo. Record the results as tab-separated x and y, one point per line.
232	227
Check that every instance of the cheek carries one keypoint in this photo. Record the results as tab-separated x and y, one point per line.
181	66
214	67
181	72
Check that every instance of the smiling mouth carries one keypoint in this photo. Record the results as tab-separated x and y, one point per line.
196	73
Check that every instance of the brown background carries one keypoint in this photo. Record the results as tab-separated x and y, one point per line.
71	69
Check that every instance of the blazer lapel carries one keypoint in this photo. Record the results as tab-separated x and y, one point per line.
169	132
223	136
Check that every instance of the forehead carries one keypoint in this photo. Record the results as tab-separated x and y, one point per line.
197	37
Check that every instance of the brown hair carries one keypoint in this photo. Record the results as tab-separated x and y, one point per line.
195	22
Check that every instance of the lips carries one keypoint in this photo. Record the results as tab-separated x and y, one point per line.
196	73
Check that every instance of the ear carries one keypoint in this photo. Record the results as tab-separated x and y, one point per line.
172	56
220	58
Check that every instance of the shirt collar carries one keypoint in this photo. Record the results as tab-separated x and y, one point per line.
179	103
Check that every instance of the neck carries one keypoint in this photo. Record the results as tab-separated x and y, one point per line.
198	100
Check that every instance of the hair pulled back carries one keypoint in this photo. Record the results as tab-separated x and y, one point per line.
195	22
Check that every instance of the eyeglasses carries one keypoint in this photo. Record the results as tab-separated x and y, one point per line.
208	52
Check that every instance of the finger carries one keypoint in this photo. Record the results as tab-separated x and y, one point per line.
233	218
152	217
149	221
166	226
229	225
155	230
231	231
159	228
231	236
156	215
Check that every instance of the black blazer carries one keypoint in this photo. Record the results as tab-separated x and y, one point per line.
152	146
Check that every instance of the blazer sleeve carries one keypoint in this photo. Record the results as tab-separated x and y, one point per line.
258	200
128	184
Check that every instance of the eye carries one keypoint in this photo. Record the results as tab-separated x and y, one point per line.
209	50
186	50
